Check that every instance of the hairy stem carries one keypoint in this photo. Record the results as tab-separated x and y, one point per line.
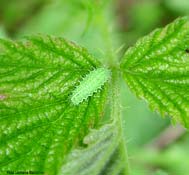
113	63
116	116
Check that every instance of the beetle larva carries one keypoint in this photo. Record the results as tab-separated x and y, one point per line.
90	84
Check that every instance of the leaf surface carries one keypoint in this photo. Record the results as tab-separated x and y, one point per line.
157	69
38	123
103	155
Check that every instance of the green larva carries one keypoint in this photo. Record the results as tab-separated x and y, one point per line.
90	84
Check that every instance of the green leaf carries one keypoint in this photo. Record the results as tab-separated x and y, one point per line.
160	172
102	156
180	7
38	123
83	21
157	69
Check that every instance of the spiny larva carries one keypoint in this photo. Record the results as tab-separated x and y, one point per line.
90	84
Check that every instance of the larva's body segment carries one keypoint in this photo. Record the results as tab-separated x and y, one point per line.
90	84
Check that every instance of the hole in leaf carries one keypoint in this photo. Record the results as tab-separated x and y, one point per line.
187	50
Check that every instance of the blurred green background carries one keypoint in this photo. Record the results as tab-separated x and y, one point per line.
108	28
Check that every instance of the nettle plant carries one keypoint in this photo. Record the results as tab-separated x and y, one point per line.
54	94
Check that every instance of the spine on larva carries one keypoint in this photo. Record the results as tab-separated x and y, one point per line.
90	84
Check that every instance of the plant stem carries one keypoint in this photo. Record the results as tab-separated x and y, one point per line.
116	116
113	63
